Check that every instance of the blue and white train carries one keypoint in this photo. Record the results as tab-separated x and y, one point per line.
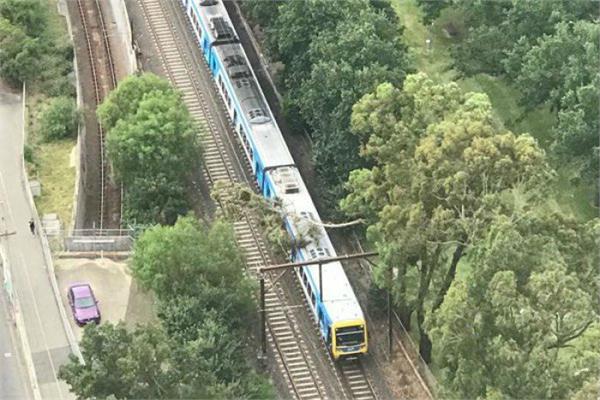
337	311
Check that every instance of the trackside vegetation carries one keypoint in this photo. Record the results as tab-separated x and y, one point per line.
201	347
153	147
490	269
333	53
32	50
450	183
36	51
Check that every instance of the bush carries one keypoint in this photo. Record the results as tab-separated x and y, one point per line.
59	119
28	153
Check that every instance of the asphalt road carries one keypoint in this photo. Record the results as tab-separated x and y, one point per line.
49	347
14	382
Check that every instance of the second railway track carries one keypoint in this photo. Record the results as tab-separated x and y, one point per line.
192	79
104	80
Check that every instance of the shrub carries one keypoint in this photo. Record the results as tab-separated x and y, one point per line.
59	119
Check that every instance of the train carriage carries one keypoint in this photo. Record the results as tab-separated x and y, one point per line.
338	313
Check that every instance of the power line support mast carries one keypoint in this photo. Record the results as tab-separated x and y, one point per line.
389	305
320	262
263	319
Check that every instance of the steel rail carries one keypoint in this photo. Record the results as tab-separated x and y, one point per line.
101	89
292	356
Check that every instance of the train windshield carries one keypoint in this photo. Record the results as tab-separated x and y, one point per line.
350	336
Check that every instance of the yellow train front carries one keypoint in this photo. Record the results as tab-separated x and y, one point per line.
349	338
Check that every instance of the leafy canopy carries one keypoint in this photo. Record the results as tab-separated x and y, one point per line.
178	260
152	145
441	164
517	326
334	52
59	119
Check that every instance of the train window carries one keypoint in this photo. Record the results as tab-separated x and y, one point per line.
234	116
304	279
313	299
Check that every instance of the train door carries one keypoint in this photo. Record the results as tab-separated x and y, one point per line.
206	48
258	172
213	61
323	325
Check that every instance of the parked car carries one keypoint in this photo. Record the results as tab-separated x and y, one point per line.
84	305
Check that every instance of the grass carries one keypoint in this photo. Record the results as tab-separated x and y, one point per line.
51	164
574	198
434	59
57	176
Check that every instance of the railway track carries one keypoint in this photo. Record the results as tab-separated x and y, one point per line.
356	381
193	80
104	80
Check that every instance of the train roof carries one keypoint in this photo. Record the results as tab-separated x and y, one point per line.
338	294
215	18
266	135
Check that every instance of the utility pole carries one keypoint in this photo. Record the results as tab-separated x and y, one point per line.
389	305
320	262
263	318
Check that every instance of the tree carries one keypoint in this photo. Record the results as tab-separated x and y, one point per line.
180	260
218	352
153	147
347	61
59	119
516	328
121	364
560	63
29	15
123	102
146	363
562	69
19	53
432	9
442	162
501	32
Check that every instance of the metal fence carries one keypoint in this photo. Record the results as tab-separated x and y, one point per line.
93	240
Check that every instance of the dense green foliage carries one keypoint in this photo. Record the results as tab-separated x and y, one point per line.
446	177
441	164
180	260
333	52
59	119
30	51
201	348
147	364
550	50
515	329
153	147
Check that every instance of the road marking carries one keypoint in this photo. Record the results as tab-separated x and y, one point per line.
7	355
23	267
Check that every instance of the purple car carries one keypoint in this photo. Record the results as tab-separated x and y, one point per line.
84	305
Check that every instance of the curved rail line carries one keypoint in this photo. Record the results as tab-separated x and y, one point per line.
104	79
193	80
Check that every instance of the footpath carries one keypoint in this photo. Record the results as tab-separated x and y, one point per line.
43	329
